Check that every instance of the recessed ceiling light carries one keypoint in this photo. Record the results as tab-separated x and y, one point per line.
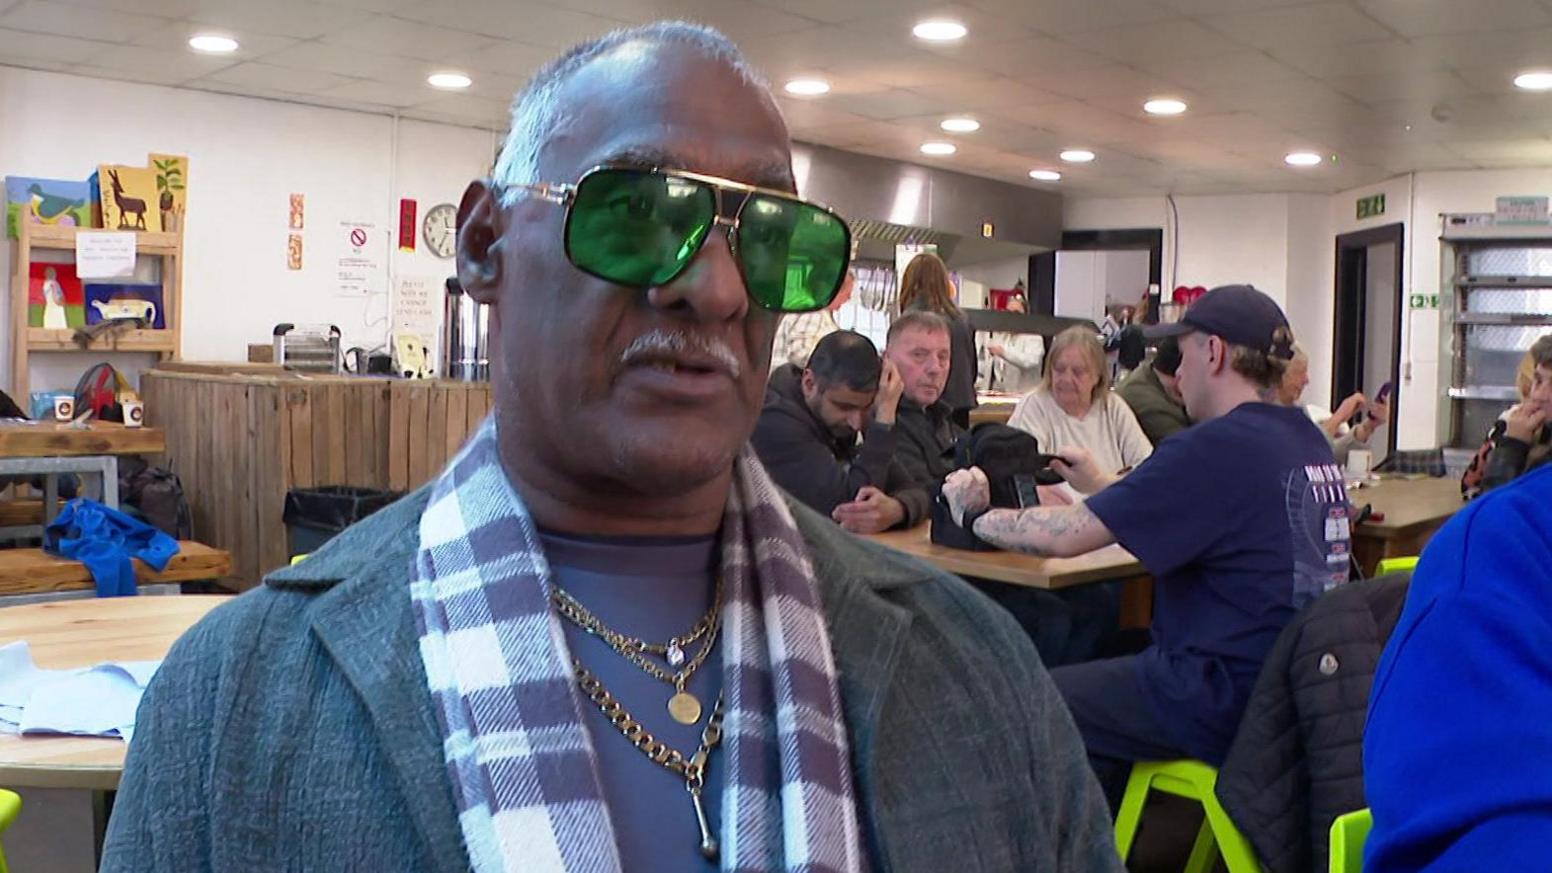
960	125
1077	156
449	81
1302	159
939	30
1045	175
938	148
1534	80
1164	106
808	87
212	44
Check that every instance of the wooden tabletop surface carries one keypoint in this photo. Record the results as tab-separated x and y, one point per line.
52	439
1408	504
80	633
1111	562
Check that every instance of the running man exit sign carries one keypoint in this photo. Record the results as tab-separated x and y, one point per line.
1369	207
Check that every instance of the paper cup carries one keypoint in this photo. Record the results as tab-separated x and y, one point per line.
1358	462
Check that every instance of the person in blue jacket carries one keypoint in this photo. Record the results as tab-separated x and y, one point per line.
1458	750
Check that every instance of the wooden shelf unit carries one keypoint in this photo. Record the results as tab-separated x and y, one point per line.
166	344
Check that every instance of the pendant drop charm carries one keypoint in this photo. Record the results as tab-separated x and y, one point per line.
684	708
709	845
675	655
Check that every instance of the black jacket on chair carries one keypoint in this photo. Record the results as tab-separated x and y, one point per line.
1297	759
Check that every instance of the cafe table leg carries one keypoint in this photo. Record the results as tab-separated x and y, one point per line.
102	807
1137	603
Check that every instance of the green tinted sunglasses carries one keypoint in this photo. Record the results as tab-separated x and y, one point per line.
642	228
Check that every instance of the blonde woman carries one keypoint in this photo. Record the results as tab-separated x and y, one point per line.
927	287
1074	407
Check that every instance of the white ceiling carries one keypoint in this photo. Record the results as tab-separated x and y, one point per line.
1263	77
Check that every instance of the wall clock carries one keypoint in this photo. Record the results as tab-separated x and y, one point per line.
440	229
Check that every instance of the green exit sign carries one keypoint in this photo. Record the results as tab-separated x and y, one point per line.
1368	207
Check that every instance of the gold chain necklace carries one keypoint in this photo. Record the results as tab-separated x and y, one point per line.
693	769
684	707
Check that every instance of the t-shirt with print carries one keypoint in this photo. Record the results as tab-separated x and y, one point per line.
1241	520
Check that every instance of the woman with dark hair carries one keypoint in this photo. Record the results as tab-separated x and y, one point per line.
926	286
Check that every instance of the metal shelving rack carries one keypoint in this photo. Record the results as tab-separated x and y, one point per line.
1497	299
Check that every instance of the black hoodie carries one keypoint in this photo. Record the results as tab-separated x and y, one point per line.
811	464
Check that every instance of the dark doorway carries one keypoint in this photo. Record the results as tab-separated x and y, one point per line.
1366	348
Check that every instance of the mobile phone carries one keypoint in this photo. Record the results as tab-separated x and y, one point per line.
1384	393
1028	495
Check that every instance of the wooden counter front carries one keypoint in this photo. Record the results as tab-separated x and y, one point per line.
240	441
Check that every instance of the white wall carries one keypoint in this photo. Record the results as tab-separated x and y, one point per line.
1222	239
246	156
1310	302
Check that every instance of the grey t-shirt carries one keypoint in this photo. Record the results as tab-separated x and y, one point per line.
653	589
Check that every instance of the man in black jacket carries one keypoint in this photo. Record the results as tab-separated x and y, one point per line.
807	436
919	346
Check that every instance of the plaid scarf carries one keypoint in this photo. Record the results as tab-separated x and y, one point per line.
518	752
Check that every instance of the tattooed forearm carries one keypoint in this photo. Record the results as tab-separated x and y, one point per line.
1046	531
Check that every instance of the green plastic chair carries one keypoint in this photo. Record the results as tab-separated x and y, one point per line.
1348	834
1193	780
10	807
1395	565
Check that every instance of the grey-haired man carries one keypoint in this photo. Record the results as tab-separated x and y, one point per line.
601	640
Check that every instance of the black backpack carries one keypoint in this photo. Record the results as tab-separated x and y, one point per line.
156	496
1013	465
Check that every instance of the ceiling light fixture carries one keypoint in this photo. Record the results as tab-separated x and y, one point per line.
939	30
1302	159
1534	80
1077	156
960	125
1164	106
213	44
449	81
808	87
938	149
1045	175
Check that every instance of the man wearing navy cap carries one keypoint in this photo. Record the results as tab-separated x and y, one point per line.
1241	520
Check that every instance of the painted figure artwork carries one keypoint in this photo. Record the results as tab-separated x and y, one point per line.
55	298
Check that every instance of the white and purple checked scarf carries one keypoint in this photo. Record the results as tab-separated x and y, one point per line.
522	764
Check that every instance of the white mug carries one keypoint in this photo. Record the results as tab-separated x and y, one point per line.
1358	461
64	407
134	413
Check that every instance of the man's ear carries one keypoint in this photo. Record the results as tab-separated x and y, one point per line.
480	229
810	384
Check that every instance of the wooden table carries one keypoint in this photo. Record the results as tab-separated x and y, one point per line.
50	449
59	440
80	633
994	407
1109	563
1413	509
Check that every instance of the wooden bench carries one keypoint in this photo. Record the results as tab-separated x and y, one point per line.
21	512
31	571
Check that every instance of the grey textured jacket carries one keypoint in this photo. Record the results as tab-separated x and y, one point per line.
291	730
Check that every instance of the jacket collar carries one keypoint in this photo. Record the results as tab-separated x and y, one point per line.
365	621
